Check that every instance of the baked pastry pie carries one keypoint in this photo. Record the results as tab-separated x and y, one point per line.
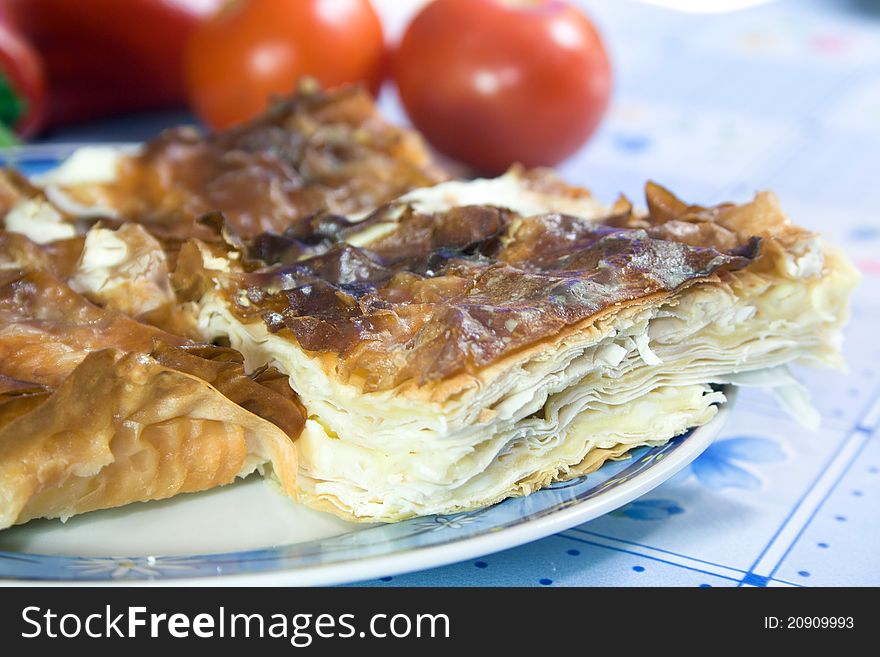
394	344
313	151
106	395
473	341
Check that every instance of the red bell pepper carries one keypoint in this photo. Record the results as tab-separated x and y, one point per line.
104	57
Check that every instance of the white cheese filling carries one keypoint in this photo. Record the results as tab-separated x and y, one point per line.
39	221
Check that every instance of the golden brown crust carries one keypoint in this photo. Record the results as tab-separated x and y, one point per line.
124	428
454	292
18	397
47	329
593	460
15	187
99	410
59	258
312	152
260	392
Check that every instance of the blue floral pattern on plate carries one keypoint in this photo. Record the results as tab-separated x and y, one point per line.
655	509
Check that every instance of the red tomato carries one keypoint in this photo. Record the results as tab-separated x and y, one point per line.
22	87
255	49
493	82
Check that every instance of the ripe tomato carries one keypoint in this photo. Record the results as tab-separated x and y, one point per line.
254	49
493	82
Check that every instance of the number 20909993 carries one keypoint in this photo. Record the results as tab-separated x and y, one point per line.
809	622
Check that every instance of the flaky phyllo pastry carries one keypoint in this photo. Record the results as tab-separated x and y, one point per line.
474	341
447	344
98	410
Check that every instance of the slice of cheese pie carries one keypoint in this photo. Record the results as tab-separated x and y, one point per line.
98	410
466	342
475	341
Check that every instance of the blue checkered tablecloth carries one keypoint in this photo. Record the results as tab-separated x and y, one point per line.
784	96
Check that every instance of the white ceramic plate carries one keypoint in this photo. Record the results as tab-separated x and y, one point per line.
249	534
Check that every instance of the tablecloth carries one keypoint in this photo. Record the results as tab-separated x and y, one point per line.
784	96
